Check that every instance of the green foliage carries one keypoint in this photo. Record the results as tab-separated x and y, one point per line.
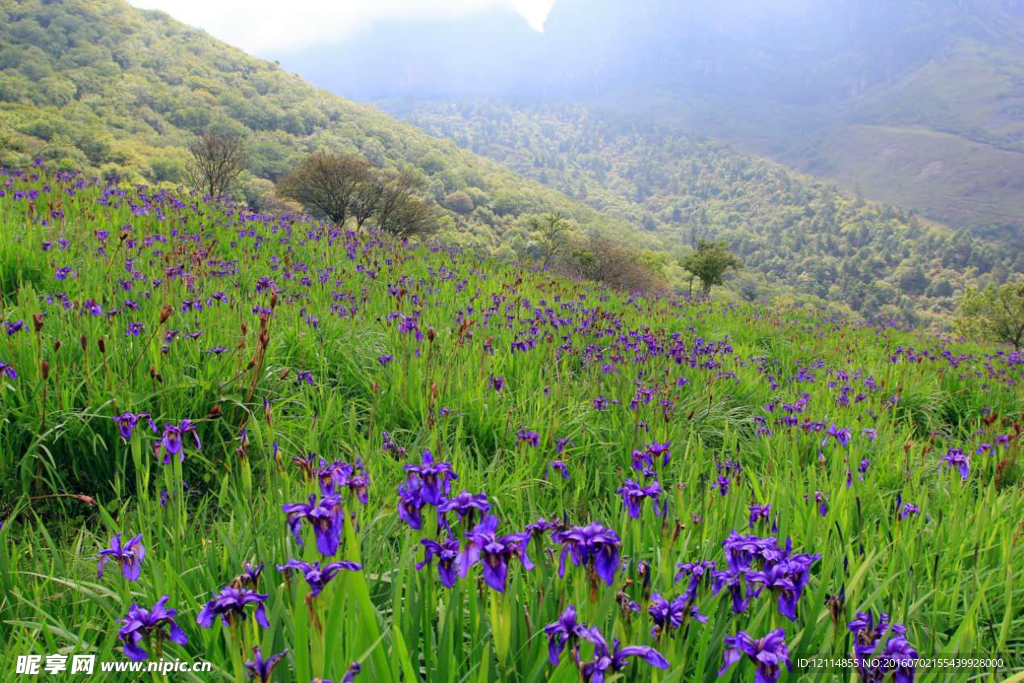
804	235
550	230
994	313
709	263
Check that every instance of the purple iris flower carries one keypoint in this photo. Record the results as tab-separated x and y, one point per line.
669	616
316	576
734	581
230	603
325	517
250	574
656	449
699	572
531	439
957	459
867	633
899	657
787	579
446	554
466	505
141	623
262	668
642	462
723	485
493	552
129	555
344	475
561	633
135	329
538	528
593	546
819	498
498	383
436	478
633	496
841	435
759	512
126	423
6	369
741	550
384	359
410	503
558	466
171	444
768	654
609	660
869	433
909	509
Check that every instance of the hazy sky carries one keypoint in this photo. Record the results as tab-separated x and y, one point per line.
273	26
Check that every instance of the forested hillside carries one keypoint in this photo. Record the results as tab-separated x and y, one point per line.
917	102
790	228
101	86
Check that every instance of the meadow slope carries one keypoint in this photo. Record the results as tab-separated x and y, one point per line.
244	395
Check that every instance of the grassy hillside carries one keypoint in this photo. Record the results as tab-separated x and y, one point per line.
246	393
97	84
792	229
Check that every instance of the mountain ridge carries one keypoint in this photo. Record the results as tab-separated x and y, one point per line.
782	79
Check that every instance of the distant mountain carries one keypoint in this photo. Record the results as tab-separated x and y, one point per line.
789	228
916	102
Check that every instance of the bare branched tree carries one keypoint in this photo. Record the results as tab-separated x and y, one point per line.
413	217
400	211
329	186
367	199
217	161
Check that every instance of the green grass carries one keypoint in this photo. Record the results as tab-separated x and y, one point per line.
948	574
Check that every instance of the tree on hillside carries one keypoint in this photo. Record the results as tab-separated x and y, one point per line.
550	231
413	216
399	210
367	199
604	260
327	186
216	162
710	262
994	314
